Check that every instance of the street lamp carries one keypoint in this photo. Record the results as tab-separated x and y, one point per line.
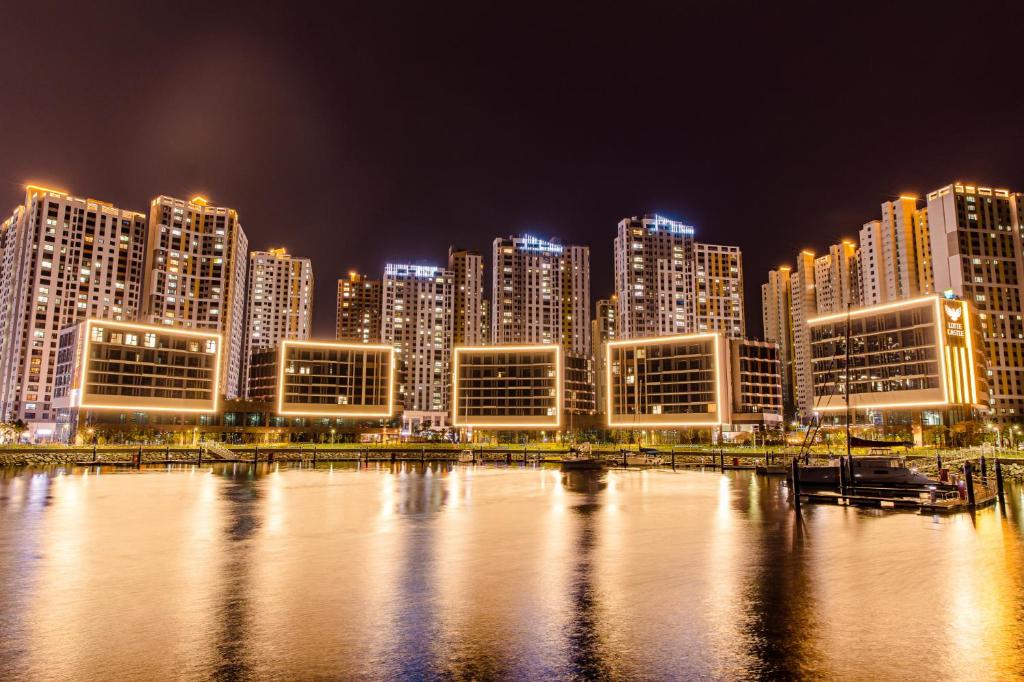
332	436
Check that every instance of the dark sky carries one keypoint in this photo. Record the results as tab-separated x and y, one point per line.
386	130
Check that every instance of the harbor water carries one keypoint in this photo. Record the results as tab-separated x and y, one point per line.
412	571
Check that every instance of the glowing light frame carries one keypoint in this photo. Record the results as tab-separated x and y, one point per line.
160	329
639	422
944	369
337	345
520	348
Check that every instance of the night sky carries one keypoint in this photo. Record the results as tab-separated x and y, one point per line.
386	131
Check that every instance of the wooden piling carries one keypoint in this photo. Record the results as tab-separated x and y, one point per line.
314	454
842	474
984	470
969	478
200	455
938	462
999	481
795	469
256	454
94	452
624	461
673	458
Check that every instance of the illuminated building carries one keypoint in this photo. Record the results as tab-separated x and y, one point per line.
978	254
195	277
417	321
360	300
62	259
918	355
895	253
279	301
605	328
468	323
653	276
667	283
717	290
326	379
777	321
541	294
692	381
508	387
108	366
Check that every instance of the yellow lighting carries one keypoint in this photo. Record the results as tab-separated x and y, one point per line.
366	347
639	422
199	200
40	188
870	310
162	329
458	351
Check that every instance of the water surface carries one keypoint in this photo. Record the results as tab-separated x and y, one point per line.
385	572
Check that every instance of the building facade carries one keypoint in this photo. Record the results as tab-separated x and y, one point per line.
508	387
326	379
103	365
777	319
604	328
196	274
541	294
279	302
920	355
468	323
977	242
717	303
417	321
62	259
653	276
360	301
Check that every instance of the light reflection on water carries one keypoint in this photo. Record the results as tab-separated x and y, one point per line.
405	571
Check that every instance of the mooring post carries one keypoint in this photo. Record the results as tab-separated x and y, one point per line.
94	452
938	461
270	457
795	472
423	455
842	474
624	462
508	457
392	456
984	470
200	455
721	460
969	478
138	462
256	454
851	478
999	481
314	454
673	458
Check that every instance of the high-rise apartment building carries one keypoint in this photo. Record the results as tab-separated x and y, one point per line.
604	328
717	290
279	302
653	276
195	276
895	253
417	321
360	300
977	243
62	259
667	283
777	320
837	279
467	268
541	294
804	306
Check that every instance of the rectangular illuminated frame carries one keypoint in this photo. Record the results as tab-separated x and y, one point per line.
343	411
956	369
646	421
169	405
539	423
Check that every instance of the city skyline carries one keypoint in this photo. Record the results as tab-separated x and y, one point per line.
754	142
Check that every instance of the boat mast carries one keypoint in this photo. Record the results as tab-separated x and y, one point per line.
846	383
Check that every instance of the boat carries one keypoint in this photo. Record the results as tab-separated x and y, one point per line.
580	462
870	470
467	457
643	458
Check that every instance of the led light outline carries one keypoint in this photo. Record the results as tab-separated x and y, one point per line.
559	381
660	340
945	367
341	346
163	329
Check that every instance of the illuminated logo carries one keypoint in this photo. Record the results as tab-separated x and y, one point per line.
954	313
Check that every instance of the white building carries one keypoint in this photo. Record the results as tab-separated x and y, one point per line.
777	320
62	259
279	302
468	324
895	253
417	321
195	277
541	294
653	276
978	253
717	302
